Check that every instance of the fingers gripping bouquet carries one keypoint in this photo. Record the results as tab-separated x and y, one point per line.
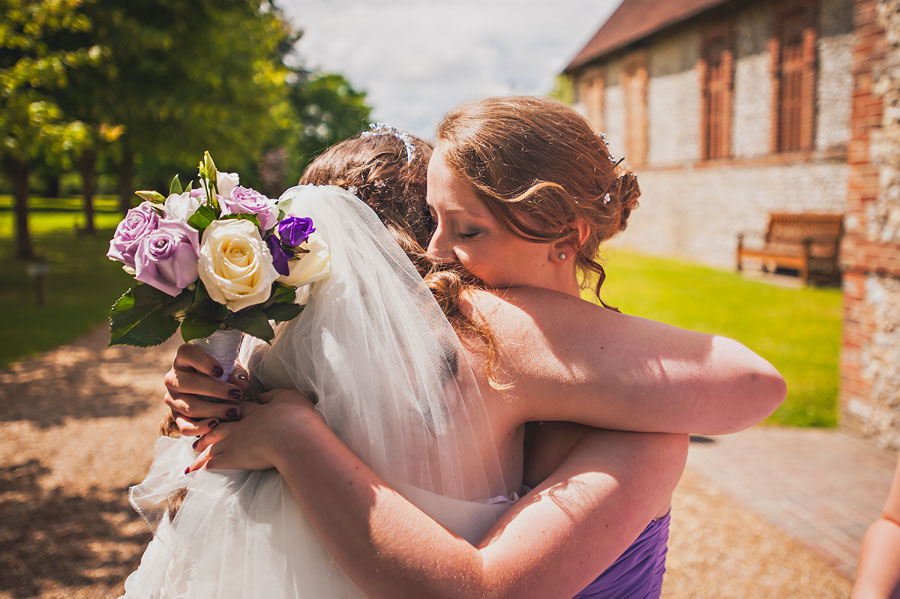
217	261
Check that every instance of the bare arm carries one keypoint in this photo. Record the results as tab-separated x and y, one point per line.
611	370
878	576
550	544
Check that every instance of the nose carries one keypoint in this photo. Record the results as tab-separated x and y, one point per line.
439	250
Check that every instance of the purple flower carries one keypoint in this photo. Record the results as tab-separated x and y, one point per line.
137	223
244	200
279	256
167	257
294	230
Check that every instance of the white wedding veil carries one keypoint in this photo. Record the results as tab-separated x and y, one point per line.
391	379
375	349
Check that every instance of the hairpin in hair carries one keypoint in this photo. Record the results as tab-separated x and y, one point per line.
377	129
611	157
606	198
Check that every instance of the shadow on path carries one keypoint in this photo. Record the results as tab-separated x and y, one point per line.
82	380
51	537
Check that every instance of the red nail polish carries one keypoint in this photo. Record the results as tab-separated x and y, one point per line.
217	371
187	470
231	413
196	443
213	424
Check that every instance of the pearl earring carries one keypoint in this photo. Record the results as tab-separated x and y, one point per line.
562	255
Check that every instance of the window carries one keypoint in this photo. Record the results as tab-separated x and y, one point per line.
793	78
634	87
716	80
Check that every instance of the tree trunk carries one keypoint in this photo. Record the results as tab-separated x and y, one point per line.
53	185
126	178
18	172
87	166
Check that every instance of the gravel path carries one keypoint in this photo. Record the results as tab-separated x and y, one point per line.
77	425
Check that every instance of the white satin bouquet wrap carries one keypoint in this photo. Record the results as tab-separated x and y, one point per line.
391	379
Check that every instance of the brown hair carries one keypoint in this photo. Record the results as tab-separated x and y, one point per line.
540	169
376	168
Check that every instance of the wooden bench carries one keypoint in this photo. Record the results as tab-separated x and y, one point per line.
808	243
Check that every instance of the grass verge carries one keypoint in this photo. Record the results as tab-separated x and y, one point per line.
797	329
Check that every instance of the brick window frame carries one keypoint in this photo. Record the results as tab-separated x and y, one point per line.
793	64
634	79
593	97
716	71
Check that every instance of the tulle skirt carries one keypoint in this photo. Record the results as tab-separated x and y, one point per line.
243	534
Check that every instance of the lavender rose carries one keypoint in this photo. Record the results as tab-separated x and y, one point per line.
244	200
294	230
167	257
137	223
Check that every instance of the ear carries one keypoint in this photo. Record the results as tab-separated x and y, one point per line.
564	249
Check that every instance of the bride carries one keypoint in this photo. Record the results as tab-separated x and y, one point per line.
393	382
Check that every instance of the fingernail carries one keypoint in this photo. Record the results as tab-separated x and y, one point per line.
187	470
217	371
196	443
235	393
231	413
213	423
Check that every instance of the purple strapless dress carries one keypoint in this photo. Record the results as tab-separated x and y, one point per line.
638	573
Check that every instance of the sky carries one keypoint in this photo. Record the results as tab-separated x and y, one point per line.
416	59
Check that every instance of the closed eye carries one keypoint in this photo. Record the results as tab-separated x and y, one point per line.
469	234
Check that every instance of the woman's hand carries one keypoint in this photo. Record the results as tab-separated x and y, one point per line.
191	381
254	442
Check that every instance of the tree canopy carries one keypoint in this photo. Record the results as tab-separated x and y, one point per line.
142	88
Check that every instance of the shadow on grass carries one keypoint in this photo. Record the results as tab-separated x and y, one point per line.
58	539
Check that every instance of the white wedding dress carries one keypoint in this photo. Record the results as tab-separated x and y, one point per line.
391	380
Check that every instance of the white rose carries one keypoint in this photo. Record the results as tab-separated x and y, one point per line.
311	267
181	206
226	182
235	264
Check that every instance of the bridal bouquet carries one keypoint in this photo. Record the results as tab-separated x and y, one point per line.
220	257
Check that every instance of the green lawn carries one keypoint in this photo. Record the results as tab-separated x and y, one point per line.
797	330
81	285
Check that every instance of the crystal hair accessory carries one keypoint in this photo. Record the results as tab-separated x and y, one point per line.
377	129
606	198
611	157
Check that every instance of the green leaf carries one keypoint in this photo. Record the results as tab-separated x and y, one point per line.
251	217
282	312
202	218
200	294
252	321
195	326
175	186
142	317
281	294
151	196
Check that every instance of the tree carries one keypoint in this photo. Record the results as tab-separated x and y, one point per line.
181	78
326	109
41	45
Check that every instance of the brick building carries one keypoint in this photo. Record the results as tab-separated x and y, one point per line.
729	110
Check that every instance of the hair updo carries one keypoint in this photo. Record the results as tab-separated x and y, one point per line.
540	169
376	169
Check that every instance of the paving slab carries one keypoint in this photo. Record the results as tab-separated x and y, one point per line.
823	487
